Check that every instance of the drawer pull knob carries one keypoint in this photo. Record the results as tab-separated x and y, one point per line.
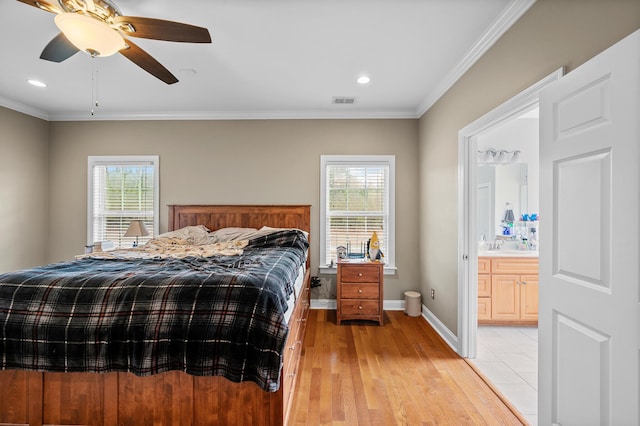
359	274
359	290
360	307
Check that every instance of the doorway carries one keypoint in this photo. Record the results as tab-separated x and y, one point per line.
470	142
507	173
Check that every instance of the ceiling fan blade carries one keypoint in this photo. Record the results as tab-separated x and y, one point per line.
145	61
158	29
58	49
42	4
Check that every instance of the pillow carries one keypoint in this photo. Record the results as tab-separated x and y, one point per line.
198	234
265	230
235	234
231	234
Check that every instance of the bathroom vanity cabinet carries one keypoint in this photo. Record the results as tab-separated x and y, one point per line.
508	290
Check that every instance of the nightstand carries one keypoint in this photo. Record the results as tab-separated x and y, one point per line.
360	291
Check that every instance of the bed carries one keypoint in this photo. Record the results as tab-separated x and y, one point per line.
165	393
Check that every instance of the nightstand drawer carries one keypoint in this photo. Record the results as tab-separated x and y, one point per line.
360	274
360	291
360	307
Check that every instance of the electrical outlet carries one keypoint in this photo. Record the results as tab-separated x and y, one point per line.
433	293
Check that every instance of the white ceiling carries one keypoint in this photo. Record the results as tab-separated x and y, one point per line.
268	59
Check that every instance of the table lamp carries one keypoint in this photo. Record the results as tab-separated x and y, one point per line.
136	229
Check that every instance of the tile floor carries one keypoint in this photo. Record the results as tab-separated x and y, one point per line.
508	356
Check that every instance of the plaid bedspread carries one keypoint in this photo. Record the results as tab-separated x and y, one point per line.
206	316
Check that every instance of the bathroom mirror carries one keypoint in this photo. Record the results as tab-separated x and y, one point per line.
499	184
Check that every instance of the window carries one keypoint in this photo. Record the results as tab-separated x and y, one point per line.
357	197
121	189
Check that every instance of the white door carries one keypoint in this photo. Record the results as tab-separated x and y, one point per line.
589	341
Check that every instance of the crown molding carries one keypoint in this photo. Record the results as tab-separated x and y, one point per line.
233	115
509	16
23	108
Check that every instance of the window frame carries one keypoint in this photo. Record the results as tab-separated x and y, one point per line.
359	161
123	159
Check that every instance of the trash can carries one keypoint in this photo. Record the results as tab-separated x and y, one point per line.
412	304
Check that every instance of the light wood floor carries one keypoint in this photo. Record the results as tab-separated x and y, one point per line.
400	374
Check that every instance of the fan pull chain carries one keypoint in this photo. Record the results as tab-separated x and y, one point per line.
94	84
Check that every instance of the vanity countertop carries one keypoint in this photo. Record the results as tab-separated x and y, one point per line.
507	253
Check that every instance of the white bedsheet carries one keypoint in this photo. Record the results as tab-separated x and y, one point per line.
297	291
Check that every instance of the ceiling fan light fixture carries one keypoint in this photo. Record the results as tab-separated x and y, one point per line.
47	7
89	34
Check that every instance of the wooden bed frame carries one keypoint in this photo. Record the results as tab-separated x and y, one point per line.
172	398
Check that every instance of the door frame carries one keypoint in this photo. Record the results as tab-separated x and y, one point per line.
468	204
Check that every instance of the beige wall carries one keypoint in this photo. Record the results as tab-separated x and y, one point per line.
553	33
23	190
235	162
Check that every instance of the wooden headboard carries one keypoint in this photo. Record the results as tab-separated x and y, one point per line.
243	216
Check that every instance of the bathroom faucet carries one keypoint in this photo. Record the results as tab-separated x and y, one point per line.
495	245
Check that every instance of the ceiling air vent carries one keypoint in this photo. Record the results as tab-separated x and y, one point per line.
343	100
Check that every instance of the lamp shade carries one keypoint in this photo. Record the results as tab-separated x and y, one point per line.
136	229
89	34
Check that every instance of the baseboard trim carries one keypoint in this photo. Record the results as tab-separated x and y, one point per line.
441	329
387	305
329	304
393	305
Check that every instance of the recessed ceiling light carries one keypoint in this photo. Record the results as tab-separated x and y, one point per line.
36	83
363	79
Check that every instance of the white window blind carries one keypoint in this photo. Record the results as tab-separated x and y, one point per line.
122	189
357	200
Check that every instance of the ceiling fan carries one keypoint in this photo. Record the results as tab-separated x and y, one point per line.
98	28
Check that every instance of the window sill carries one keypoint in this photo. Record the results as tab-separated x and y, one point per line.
328	270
